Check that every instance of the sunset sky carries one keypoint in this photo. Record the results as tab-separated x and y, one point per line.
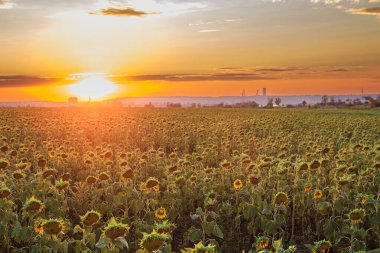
54	49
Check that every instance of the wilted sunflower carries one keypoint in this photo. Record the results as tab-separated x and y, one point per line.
357	215
160	213
165	227
318	194
103	176
33	205
4	192
4	164
128	173
238	184
280	198
91	180
91	218
153	241
322	246
151	182
115	229
52	226
61	185
254	180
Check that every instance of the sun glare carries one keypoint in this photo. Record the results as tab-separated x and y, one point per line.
94	87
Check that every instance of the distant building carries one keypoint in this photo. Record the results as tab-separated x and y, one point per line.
72	101
264	92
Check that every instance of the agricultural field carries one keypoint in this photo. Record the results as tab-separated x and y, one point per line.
189	180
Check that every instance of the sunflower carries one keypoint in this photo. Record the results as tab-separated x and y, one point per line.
262	243
33	205
115	229
103	176
151	182
318	194
4	192
128	173
153	241
357	215
52	226
254	180
280	198
238	184
308	187
61	185
322	247
364	199
165	227
160	213
91	218
91	180
38	227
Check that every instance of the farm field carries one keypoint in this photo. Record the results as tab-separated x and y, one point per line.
189	180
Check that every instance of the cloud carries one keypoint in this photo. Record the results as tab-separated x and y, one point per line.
25	81
210	31
6	4
197	77
122	11
365	11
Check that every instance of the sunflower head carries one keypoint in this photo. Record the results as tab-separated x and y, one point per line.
280	198
61	185
18	175
151	182
308	187
4	163
52	226
91	218
49	172
322	246
103	176
115	229
254	180
128	173
200	248
33	205
262	243
357	215
153	241
160	213
318	194
91	180
4	192
165	227
238	184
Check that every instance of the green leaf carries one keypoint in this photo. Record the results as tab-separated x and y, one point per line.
249	212
208	227
102	243
375	219
218	232
195	235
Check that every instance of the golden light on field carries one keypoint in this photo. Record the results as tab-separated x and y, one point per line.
93	87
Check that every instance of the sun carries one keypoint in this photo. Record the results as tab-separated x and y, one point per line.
93	87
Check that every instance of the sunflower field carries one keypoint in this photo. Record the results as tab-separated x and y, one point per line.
189	180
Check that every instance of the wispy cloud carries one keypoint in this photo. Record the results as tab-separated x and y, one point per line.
365	11
25	81
210	30
122	11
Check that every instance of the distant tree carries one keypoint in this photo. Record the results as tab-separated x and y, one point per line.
332	100
270	103
304	103
277	101
324	99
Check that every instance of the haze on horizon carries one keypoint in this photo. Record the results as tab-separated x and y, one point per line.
53	49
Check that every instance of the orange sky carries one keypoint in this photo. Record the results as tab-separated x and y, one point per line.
187	48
